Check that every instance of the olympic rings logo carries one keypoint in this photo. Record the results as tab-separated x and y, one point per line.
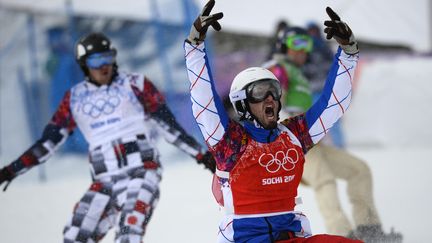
286	161
101	106
100	102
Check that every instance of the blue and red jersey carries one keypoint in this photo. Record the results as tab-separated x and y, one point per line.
258	170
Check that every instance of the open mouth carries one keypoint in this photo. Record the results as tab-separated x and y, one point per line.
105	72
269	111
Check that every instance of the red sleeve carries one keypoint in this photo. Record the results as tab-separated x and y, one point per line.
154	105
63	116
150	97
54	134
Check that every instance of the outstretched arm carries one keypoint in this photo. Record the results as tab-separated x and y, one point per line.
207	107
155	105
335	99
54	135
336	96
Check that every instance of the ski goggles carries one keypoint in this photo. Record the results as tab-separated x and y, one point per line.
299	43
97	60
260	90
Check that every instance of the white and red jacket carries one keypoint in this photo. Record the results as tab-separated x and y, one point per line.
116	121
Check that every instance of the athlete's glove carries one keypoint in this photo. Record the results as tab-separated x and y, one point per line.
200	26
339	30
5	176
207	160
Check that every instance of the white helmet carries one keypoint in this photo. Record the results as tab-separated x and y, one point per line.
238	94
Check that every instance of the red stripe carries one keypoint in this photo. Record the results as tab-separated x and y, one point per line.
322	124
199	76
194	48
334	95
117	153
122	150
211	135
205	108
346	69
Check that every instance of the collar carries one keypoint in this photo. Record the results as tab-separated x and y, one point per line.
98	84
260	134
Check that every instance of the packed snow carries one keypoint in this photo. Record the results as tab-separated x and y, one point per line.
385	126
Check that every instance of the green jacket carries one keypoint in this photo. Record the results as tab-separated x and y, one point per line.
297	95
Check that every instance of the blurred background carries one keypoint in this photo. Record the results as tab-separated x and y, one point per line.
387	124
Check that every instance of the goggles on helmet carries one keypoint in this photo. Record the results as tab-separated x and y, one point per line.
299	43
260	90
97	60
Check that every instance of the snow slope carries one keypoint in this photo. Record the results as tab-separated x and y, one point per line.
33	212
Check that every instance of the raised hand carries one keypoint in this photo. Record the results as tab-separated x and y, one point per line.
341	32
200	26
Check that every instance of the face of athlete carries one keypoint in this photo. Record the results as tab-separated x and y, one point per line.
266	112
297	57
102	75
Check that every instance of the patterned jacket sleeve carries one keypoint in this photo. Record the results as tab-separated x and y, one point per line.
207	107
298	126
155	105
333	102
54	135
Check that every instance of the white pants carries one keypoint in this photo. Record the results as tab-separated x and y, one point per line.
126	201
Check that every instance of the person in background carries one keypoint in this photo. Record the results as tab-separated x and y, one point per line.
274	42
325	164
260	160
116	112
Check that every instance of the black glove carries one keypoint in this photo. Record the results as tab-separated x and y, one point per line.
5	176
339	30
199	28
207	160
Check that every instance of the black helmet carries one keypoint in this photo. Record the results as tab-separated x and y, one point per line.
287	34
90	44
